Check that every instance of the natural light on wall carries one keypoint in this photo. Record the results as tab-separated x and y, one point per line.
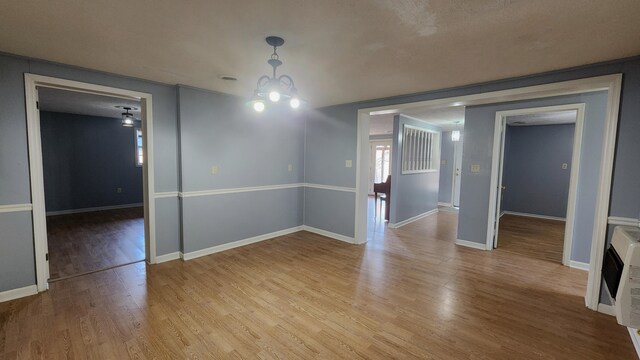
455	135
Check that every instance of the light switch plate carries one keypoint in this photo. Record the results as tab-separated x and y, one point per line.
214	169
475	168
443	162
290	167
348	163
564	166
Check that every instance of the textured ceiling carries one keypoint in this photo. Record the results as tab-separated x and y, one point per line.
545	118
337	51
72	102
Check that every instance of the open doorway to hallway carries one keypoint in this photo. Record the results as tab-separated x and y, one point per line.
92	157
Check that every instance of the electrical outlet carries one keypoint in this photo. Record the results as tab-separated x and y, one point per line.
119	190
564	166
443	162
290	167
475	168
348	163
214	169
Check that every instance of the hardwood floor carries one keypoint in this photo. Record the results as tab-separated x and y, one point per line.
86	242
408	293
532	237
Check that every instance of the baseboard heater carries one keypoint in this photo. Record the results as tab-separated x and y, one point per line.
621	272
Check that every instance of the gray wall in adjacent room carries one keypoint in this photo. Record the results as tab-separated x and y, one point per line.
533	176
478	147
447	160
86	159
250	149
16	237
411	194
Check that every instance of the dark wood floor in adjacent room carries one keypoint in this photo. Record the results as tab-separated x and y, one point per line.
532	237
92	241
408	293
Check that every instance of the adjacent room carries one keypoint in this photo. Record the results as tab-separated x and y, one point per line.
92	164
330	180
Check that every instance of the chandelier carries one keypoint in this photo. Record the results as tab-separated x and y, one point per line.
275	88
127	117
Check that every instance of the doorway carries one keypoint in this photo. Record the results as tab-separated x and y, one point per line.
457	168
92	159
539	160
32	85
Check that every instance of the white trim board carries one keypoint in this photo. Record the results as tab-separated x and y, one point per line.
445	204
168	257
31	84
330	187
546	217
635	338
329	234
15	208
18	293
471	244
412	219
617	220
167	194
606	309
238	243
579	265
186	194
92	209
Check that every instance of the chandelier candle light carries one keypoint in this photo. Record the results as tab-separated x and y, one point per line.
274	88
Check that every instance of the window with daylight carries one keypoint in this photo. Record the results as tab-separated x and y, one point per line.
139	157
419	150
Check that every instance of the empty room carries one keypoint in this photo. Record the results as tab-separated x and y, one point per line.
328	180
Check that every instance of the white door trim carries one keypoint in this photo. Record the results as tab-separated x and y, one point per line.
496	174
33	81
611	83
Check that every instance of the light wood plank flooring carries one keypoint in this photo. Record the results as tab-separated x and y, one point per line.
92	241
408	293
532	237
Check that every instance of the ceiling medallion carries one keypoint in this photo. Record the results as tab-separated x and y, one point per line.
271	89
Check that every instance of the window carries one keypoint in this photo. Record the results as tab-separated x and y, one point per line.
139	157
419	150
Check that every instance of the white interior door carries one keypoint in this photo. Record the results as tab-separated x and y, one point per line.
380	162
503	132
457	169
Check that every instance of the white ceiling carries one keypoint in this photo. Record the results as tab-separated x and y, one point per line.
72	102
447	118
337	51
545	118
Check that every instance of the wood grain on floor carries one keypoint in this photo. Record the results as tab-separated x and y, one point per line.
408	293
532	237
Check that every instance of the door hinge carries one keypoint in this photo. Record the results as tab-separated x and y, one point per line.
38	105
46	256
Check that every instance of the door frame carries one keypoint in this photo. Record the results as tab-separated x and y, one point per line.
456	150
500	131
32	82
611	83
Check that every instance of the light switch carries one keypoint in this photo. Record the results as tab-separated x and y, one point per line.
290	167
475	168
564	166
348	163
214	169
119	190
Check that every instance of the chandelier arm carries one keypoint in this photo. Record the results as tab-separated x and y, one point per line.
262	82
291	84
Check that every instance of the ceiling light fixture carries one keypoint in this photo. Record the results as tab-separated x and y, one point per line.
127	117
274	88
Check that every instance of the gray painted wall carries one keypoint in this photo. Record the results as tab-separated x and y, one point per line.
478	147
533	175
85	159
250	149
411	194
447	152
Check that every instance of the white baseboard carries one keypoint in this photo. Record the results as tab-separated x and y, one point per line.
635	338
606	309
501	214
329	234
168	257
579	265
533	215
91	209
445	204
410	220
471	244
235	244
18	293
